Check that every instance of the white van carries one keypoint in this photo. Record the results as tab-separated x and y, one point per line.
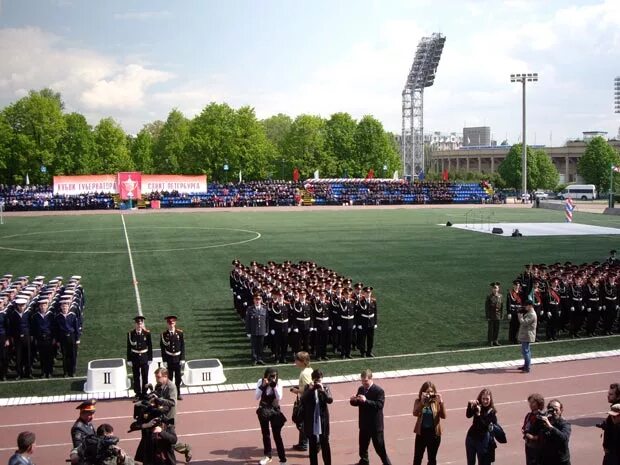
579	191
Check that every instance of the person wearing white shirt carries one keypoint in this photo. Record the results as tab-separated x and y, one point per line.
269	394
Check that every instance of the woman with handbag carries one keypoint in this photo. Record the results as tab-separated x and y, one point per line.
429	410
269	393
479	442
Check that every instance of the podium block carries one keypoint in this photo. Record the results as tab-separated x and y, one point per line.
203	372
106	375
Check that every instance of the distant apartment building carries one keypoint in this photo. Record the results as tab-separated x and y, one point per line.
443	141
477	136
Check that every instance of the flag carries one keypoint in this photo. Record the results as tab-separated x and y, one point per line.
395	175
445	175
27	180
240	178
316	174
295	175
616	169
371	174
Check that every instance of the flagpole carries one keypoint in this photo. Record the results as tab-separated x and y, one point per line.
611	185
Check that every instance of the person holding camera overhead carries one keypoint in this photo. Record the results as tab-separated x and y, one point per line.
478	439
269	393
314	403
531	429
555	436
429	409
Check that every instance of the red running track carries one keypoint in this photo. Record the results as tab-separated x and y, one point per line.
223	428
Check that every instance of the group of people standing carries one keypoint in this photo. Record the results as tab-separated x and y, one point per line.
303	307
38	322
577	300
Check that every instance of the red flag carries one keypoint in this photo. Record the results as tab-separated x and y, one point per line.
371	174
444	175
295	175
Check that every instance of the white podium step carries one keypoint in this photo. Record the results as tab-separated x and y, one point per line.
203	372
106	375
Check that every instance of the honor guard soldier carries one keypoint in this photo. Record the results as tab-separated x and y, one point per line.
320	315
67	337
42	326
139	355
20	334
257	327
83	426
334	313
553	310
514	303
610	303
347	320
279	324
4	338
368	320
493	310
592	305
303	322
172	347
576	307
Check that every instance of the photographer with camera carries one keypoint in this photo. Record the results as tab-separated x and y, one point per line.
269	393
554	435
532	427
100	449
478	440
314	403
429	410
157	444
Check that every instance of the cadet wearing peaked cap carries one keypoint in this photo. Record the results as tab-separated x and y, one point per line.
139	355
493	310
172	345
19	324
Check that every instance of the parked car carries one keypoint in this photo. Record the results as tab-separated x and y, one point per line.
542	195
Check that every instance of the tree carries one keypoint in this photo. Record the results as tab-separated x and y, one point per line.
6	141
254	155
142	151
595	164
304	147
37	124
541	173
169	144
374	148
111	146
276	128
340	132
76	153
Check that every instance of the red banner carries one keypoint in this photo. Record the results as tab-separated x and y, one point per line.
130	185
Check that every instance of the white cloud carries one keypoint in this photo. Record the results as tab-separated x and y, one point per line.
141	15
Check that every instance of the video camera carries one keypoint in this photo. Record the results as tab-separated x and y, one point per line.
148	410
545	413
98	449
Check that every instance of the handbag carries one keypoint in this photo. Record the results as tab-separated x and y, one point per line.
298	412
498	433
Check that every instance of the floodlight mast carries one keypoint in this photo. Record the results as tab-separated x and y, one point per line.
523	78
421	75
617	95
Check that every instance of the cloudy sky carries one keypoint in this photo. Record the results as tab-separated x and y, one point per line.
136	60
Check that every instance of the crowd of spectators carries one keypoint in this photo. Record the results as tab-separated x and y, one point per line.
36	198
271	193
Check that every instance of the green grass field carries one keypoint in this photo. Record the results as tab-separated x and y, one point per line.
430	281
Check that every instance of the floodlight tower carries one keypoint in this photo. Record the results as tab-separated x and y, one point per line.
617	98
421	75
523	78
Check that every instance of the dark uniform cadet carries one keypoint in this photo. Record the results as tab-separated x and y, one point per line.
609	294
256	327
43	329
302	314
514	303
346	314
493	312
564	292
279	324
536	295
367	322
19	324
172	345
322	325
67	337
553	310
592	303
4	338
83	425
612	259
334	313
139	355
576	307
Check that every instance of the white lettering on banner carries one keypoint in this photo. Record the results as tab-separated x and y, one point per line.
76	185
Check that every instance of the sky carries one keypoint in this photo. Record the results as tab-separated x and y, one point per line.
137	60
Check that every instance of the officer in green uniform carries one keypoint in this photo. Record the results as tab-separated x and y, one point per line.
493	310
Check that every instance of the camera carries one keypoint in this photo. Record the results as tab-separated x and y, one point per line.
97	449
545	414
145	411
272	380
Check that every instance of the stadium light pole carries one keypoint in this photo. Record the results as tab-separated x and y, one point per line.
523	78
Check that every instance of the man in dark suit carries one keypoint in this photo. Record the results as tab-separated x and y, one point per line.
172	345
370	399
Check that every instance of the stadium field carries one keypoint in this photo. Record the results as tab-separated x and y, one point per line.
430	280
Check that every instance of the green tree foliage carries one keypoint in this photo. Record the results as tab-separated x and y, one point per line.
374	148
340	142
276	128
142	151
541	173
37	124
6	141
170	141
595	165
76	153
305	147
111	148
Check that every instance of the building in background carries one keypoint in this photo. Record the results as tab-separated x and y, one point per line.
477	137
443	141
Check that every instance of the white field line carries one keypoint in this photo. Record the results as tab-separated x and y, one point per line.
133	270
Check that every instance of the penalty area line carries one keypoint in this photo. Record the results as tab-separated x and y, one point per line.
133	270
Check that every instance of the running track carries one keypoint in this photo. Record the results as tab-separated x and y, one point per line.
223	428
